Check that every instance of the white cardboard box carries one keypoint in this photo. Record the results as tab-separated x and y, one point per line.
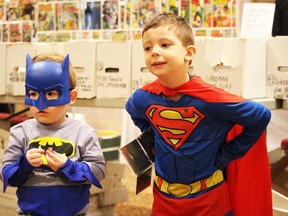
113	70
197	62
237	65
82	54
140	74
277	67
2	68
222	63
16	67
41	47
254	68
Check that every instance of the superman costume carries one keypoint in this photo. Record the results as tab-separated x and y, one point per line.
197	138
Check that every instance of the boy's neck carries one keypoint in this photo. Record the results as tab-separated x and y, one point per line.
175	82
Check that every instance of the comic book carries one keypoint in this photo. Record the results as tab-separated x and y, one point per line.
90	15
110	13
2	10
45	16
15	33
26	9
5	34
142	10
27	31
68	15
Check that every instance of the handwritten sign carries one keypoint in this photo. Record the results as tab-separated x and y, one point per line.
257	20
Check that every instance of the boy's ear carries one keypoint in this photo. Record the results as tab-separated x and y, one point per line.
73	96
191	51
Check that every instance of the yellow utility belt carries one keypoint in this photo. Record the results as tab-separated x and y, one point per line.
182	190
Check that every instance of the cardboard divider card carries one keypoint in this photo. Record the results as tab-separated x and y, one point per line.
140	157
257	20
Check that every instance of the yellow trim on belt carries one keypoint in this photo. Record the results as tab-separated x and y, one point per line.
182	190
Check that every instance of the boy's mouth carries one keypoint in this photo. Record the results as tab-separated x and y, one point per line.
158	63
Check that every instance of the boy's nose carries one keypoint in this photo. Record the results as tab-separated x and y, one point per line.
155	51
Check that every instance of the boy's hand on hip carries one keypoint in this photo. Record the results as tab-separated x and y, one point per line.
55	160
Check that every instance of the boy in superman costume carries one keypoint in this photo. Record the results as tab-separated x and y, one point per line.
52	159
200	132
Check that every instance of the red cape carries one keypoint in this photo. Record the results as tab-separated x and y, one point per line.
248	178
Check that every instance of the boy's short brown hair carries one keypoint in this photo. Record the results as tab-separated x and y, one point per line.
176	23
58	57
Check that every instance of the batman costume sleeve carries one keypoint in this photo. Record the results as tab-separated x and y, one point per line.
16	173
78	172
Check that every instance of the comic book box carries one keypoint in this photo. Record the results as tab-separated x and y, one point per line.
113	70
237	65
16	67
2	68
83	57
277	67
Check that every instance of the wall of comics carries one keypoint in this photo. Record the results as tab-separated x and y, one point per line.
51	21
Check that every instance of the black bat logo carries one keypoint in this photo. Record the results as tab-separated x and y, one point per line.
59	145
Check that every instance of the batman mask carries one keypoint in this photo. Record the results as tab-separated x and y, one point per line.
46	76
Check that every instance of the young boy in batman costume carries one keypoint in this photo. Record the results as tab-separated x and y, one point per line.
199	132
52	159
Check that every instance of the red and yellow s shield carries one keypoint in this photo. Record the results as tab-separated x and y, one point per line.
175	124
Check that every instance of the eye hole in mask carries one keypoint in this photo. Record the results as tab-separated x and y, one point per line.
50	95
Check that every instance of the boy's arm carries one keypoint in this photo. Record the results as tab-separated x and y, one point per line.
78	172
253	118
136	115
17	173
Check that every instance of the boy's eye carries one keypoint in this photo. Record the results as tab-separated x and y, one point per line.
33	95
52	95
147	48
165	45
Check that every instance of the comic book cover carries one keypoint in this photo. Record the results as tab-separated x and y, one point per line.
27	31
26	9
147	9
1	32
15	33
45	16
142	10
125	14
185	10
12	10
90	15
224	12
201	12
68	16
2	10
62	36
5	35
110	13
170	6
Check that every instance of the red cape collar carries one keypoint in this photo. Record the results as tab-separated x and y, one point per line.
195	87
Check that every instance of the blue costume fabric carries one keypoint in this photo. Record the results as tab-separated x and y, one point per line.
191	133
41	191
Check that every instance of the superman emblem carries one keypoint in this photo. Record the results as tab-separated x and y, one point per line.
59	145
175	124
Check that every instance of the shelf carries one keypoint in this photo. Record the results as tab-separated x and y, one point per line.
270	103
285	104
95	102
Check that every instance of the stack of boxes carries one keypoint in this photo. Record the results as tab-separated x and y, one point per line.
249	67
